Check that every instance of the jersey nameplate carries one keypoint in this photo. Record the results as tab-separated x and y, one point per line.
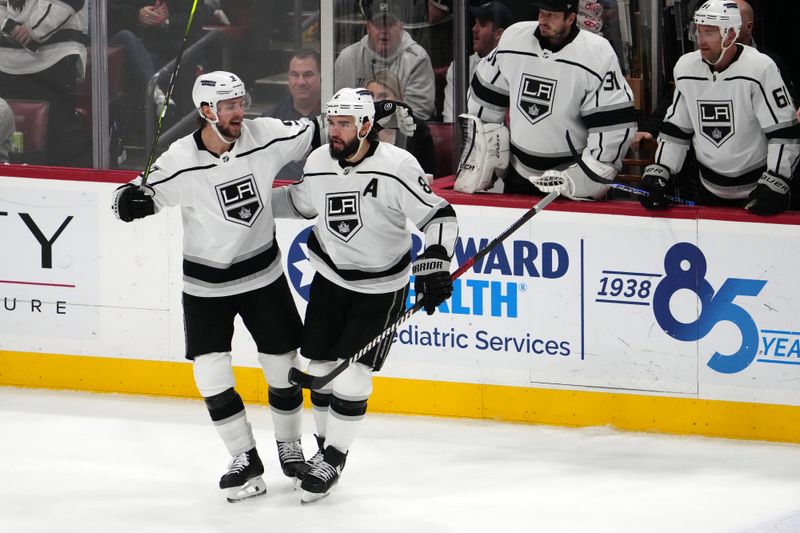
342	214
240	201
716	120
536	97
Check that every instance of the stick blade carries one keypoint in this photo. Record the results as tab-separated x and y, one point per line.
301	378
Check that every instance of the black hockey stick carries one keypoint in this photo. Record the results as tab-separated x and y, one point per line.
167	97
316	382
615	184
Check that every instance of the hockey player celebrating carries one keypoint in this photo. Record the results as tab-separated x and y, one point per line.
550	77
361	193
221	176
733	106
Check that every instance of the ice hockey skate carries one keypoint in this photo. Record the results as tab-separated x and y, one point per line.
243	479
293	462
318	482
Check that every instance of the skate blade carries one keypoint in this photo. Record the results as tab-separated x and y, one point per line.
254	487
310	497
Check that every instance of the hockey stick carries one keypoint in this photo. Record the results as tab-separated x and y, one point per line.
615	184
167	97
316	382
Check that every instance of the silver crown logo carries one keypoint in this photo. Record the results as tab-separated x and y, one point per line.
245	213
717	134
533	110
343	228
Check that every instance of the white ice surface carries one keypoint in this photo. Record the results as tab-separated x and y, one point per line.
79	462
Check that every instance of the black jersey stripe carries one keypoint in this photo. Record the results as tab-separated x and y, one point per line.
351	274
444	212
516	52
763	93
613	117
748	178
789	132
587	69
488	95
538	162
273	141
695	78
178	173
619	147
674	105
401	182
239	270
668	128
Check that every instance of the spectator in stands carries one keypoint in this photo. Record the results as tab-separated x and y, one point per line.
151	32
385	85
387	46
303	100
491	19
6	130
43	57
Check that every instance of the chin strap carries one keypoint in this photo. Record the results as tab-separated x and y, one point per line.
213	124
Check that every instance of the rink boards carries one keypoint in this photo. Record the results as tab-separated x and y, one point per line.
588	315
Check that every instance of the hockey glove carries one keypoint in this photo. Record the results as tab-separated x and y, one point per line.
432	281
654	182
770	197
395	115
131	202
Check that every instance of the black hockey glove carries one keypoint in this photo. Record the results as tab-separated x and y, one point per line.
654	181
770	197
131	203
432	281
390	114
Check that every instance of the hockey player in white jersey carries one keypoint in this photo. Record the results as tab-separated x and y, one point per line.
221	177
732	105
550	77
360	192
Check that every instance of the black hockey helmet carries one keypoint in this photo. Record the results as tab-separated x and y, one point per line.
567	6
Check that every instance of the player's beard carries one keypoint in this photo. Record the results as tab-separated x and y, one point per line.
348	149
227	133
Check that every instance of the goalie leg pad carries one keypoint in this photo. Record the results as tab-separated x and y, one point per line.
486	149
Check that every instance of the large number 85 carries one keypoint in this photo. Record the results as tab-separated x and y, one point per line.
685	268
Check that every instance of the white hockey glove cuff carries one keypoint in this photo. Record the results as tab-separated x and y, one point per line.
486	149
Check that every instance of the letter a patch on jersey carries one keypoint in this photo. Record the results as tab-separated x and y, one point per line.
240	201
716	120
342	214
536	97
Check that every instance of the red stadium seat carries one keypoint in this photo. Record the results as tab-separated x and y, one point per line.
30	117
442	134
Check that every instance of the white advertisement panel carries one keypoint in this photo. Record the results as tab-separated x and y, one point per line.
666	306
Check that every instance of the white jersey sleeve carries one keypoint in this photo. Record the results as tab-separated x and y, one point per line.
488	96
430	213
775	111
675	135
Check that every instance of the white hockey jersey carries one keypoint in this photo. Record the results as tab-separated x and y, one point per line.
229	242
740	121
578	87
360	240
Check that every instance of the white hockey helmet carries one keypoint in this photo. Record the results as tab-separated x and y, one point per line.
352	103
723	14
213	87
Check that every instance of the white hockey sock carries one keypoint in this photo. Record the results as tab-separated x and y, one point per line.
351	389
320	399
285	399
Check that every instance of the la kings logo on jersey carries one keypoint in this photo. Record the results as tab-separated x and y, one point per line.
342	214
240	201
536	97
716	120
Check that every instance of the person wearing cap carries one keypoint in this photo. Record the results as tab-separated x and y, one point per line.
387	46
552	78
491	19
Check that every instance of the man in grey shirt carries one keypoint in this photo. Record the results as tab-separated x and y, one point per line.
387	46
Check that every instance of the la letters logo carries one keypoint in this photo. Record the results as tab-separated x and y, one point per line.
536	97
716	120
342	214
240	201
